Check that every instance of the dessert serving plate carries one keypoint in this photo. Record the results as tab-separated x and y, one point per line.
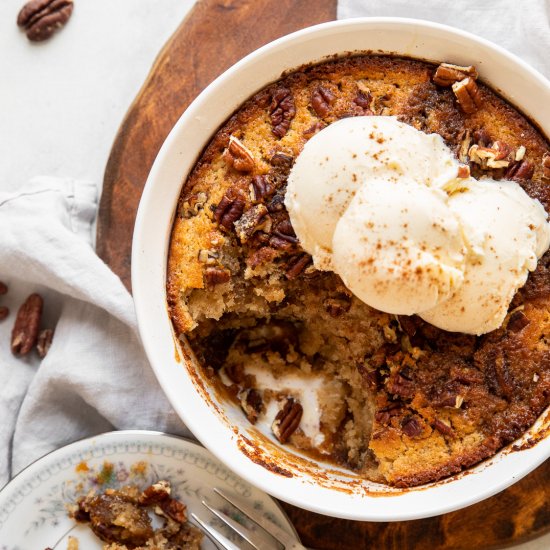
33	506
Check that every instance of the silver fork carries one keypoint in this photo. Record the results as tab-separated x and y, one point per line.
256	540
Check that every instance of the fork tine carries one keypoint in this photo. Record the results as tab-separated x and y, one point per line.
211	532
275	531
253	538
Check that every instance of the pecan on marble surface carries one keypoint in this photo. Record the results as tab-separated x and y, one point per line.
282	110
41	18
25	331
287	420
468	95
447	74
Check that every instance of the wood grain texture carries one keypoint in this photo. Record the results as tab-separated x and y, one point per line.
213	36
518	514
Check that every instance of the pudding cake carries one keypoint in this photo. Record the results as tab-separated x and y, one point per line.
390	396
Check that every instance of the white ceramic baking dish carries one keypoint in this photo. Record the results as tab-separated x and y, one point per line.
220	426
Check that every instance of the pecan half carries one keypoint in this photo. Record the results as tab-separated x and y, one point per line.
260	187
411	426
282	160
252	404
281	111
287	420
296	265
468	95
41	18
520	171
321	100
238	156
44	342
27	323
3	288
216	276
397	384
229	210
155	493
546	165
254	219
447	74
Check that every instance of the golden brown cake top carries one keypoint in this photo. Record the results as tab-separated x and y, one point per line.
436	401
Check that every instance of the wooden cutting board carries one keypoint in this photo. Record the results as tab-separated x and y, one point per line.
214	35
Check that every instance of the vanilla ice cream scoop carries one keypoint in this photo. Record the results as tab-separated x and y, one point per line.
337	161
506	233
397	246
380	203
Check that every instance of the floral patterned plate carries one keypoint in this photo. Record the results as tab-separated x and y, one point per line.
33	512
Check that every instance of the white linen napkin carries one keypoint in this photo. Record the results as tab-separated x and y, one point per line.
95	377
522	27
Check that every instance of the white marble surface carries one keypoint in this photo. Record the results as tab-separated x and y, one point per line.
61	102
